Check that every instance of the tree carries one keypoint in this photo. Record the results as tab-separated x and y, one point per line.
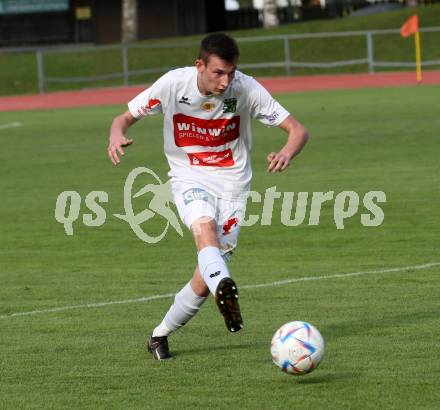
129	20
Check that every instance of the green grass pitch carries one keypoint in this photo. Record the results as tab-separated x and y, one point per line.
381	329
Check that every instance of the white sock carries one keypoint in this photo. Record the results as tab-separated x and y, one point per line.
212	267
186	304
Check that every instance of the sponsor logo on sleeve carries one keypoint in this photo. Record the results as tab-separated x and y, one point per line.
145	109
272	117
212	159
190	131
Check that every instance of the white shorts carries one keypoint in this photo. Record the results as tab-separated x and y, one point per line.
194	202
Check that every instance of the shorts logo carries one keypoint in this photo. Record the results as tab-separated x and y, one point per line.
212	159
229	105
190	131
207	106
197	194
229	224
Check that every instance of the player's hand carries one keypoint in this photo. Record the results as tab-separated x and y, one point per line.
278	162
115	148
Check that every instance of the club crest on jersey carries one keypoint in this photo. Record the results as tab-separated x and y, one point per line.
207	106
229	105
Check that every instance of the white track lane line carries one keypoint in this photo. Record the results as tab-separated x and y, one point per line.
260	285
10	125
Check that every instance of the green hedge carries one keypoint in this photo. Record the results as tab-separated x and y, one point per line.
19	71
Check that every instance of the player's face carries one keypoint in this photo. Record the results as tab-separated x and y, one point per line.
215	76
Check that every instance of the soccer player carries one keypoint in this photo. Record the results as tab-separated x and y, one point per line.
207	138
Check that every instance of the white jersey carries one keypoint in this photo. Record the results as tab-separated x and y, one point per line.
208	139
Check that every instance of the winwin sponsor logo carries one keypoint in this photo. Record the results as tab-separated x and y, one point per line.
190	131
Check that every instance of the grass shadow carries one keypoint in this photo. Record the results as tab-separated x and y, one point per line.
326	378
208	349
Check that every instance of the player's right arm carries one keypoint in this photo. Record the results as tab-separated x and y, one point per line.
118	140
148	102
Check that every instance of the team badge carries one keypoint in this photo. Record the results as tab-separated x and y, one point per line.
207	106
229	105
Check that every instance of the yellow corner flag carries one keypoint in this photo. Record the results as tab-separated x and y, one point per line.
411	26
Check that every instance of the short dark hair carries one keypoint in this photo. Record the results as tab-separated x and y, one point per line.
221	45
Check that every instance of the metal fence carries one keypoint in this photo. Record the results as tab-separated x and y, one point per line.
288	64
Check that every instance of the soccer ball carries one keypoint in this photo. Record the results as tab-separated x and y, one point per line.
297	348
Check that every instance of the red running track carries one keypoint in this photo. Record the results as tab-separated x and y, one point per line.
121	95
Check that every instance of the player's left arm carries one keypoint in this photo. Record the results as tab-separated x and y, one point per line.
297	138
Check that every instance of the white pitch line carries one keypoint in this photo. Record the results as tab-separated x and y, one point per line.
88	305
10	125
260	285
342	275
